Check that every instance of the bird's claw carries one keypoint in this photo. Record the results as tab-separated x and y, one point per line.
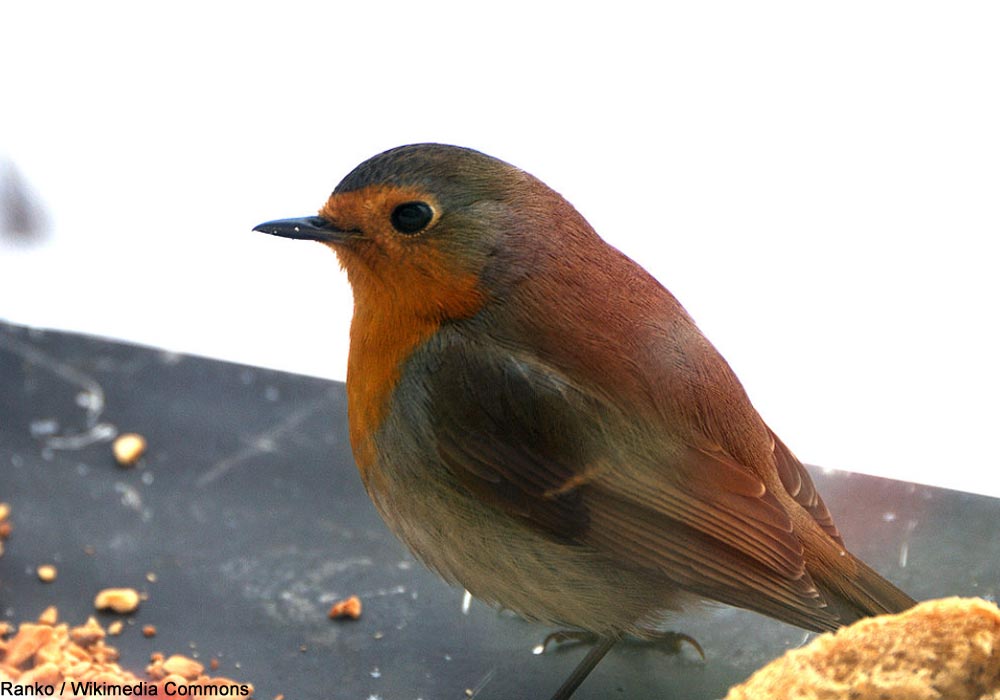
675	640
563	636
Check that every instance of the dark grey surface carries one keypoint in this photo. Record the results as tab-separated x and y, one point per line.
249	511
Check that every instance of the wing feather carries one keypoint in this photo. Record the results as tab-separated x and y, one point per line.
526	441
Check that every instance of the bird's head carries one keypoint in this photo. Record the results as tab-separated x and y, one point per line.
432	227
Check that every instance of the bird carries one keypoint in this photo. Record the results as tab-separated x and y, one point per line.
542	423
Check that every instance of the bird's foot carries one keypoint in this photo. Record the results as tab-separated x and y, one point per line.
668	642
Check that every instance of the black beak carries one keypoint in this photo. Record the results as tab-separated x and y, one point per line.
308	228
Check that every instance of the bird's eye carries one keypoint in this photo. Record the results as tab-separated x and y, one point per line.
411	217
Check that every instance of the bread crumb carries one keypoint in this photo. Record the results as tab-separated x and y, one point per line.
948	648
49	616
120	600
46	573
115	628
5	526
151	577
183	666
350	607
214	664
148	631
28	640
43	674
89	634
128	448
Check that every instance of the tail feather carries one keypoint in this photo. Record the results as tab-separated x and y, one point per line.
871	594
852	589
856	591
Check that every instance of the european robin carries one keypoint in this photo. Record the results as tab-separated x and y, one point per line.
541	421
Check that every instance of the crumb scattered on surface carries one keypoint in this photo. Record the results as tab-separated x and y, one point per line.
115	628
5	526
151	577
182	666
349	607
119	600
46	573
55	653
128	448
148	630
49	616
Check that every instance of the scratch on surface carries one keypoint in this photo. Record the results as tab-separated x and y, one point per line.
90	398
383	592
484	681
904	549
262	443
132	499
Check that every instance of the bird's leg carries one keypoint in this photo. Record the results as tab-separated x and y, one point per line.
584	668
672	640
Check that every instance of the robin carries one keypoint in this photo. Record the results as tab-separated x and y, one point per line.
541	422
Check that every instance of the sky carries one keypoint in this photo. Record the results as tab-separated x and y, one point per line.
817	183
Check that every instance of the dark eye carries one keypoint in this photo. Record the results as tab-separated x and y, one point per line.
411	217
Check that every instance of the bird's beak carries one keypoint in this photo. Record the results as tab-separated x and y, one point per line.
307	228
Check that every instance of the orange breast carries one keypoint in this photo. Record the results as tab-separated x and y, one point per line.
395	312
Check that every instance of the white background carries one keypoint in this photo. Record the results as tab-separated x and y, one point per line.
817	183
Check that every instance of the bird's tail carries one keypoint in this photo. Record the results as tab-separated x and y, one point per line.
856	590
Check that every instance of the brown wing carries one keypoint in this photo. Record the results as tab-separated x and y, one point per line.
526	441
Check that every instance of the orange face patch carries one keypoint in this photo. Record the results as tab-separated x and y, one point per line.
368	209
